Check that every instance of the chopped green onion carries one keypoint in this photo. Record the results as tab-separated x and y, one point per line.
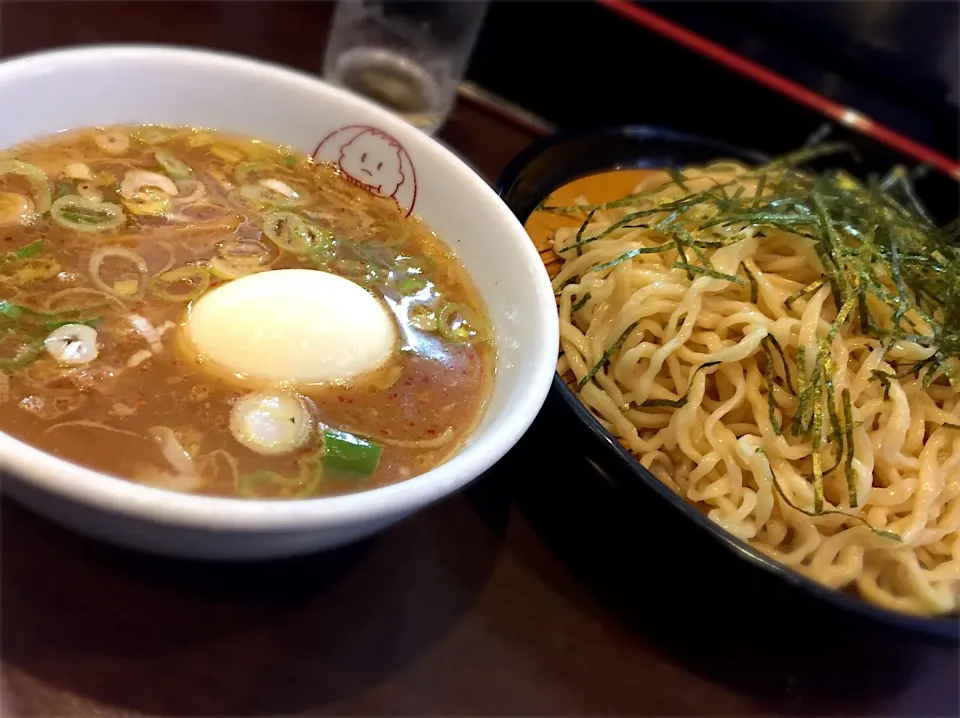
11	311
456	323
35	176
265	484
347	452
271	423
48	320
252	172
192	280
421	317
86	215
92	322
410	285
292	233
260	196
153	134
171	165
18	349
25	252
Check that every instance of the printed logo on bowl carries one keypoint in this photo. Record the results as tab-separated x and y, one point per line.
374	160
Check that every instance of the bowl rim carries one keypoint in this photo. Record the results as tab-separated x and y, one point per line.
118	496
940	627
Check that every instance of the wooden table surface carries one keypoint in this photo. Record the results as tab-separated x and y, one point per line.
532	593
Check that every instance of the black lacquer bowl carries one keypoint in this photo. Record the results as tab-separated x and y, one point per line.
553	162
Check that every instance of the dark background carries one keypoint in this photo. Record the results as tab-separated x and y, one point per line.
896	61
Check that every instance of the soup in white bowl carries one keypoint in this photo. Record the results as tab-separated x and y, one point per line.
268	337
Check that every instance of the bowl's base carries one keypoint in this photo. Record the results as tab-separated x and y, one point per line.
168	539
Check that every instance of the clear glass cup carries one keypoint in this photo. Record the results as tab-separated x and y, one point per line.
407	56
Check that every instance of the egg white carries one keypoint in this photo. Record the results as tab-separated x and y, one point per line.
291	326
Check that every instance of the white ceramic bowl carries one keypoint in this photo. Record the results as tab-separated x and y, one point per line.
138	84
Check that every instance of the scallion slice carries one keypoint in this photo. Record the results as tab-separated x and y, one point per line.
86	215
346	452
260	197
18	348
183	284
265	484
171	165
292	233
25	252
456	323
35	176
239	257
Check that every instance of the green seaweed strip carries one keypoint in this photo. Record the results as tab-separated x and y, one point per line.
826	512
758	194
932	372
800	424
817	439
24	252
848	466
580	231
768	376
884	379
609	230
836	429
774	219
626	200
806	154
605	359
633	253
683	256
580	302
864	313
786	367
841	319
709	272
754	287
674	403
809	289
907	188
897	280
832	248
678	178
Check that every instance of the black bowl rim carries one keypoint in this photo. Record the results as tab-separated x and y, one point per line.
945	627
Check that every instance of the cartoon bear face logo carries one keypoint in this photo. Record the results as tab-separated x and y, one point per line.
372	159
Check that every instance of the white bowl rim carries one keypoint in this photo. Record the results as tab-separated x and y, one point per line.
121	496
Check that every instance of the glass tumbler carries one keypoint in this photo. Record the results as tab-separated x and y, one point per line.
407	56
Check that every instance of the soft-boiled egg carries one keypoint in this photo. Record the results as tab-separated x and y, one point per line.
296	326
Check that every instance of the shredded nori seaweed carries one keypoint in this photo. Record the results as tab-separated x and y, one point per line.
875	241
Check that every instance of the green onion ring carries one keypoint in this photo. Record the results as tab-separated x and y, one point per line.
86	215
196	277
35	176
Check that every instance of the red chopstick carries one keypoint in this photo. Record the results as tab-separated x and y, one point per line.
777	82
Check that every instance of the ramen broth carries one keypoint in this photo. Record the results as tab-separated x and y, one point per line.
156	221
